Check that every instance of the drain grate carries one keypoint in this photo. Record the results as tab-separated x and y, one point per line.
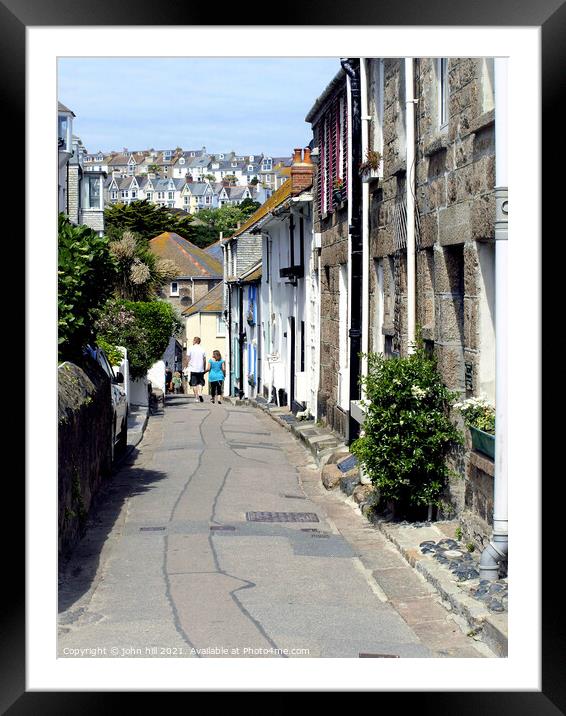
152	529
324	535
295	497
222	528
281	517
378	656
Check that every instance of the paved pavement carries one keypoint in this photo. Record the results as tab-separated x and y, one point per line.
173	563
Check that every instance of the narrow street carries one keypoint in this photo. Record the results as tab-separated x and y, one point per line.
216	538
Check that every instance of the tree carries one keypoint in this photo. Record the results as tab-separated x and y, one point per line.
143	327
154	168
144	219
231	179
87	272
140	273
210	177
248	207
224	219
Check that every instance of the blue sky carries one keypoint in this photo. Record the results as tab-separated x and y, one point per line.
241	104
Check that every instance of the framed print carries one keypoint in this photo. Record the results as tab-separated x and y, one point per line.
39	33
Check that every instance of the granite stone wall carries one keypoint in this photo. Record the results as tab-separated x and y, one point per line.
84	445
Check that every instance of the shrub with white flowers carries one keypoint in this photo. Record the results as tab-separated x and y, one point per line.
407	433
478	413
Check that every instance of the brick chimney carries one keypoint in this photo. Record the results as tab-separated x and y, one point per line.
302	170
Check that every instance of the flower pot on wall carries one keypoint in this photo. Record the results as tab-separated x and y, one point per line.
337	195
483	442
368	175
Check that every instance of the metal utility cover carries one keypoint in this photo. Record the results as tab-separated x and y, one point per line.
281	517
227	528
152	529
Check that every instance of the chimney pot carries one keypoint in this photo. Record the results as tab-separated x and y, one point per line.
298	156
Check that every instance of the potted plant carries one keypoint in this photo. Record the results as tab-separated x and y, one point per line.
479	417
338	191
369	170
251	380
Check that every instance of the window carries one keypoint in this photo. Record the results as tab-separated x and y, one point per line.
487	84
220	326
91	192
63	133
170	195
124	194
134	194
186	200
149	195
161	195
331	132
207	200
442	73
113	194
174	289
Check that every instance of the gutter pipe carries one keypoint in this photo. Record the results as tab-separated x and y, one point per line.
365	218
352	68
410	189
497	550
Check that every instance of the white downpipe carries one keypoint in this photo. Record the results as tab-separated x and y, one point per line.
411	254
365	220
500	522
497	549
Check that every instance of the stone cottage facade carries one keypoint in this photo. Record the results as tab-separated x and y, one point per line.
454	179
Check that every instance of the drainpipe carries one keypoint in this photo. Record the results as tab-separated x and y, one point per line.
497	549
410	189
365	218
352	68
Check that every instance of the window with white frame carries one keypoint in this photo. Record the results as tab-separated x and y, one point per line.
487	84
149	195
220	326
134	194
170	195
442	77
161	195
113	194
92	194
124	194
174	288
208	199
331	133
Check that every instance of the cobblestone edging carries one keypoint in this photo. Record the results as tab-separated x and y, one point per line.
329	452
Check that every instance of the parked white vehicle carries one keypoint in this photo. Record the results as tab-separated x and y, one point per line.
119	400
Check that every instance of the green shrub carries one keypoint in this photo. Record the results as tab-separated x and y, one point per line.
143	327
407	433
85	280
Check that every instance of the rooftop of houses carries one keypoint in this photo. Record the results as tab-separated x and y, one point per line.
212	302
278	197
192	261
215	250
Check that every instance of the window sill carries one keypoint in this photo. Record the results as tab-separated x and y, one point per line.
437	145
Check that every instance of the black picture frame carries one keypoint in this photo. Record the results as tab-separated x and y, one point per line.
15	16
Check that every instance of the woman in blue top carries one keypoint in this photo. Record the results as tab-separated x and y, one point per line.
217	374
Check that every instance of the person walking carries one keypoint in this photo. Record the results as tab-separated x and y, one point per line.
197	368
217	374
168	377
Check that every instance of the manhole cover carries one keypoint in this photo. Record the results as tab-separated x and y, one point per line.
220	528
152	529
281	517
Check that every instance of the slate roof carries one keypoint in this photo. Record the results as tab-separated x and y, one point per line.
215	250
191	260
278	197
61	108
212	302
